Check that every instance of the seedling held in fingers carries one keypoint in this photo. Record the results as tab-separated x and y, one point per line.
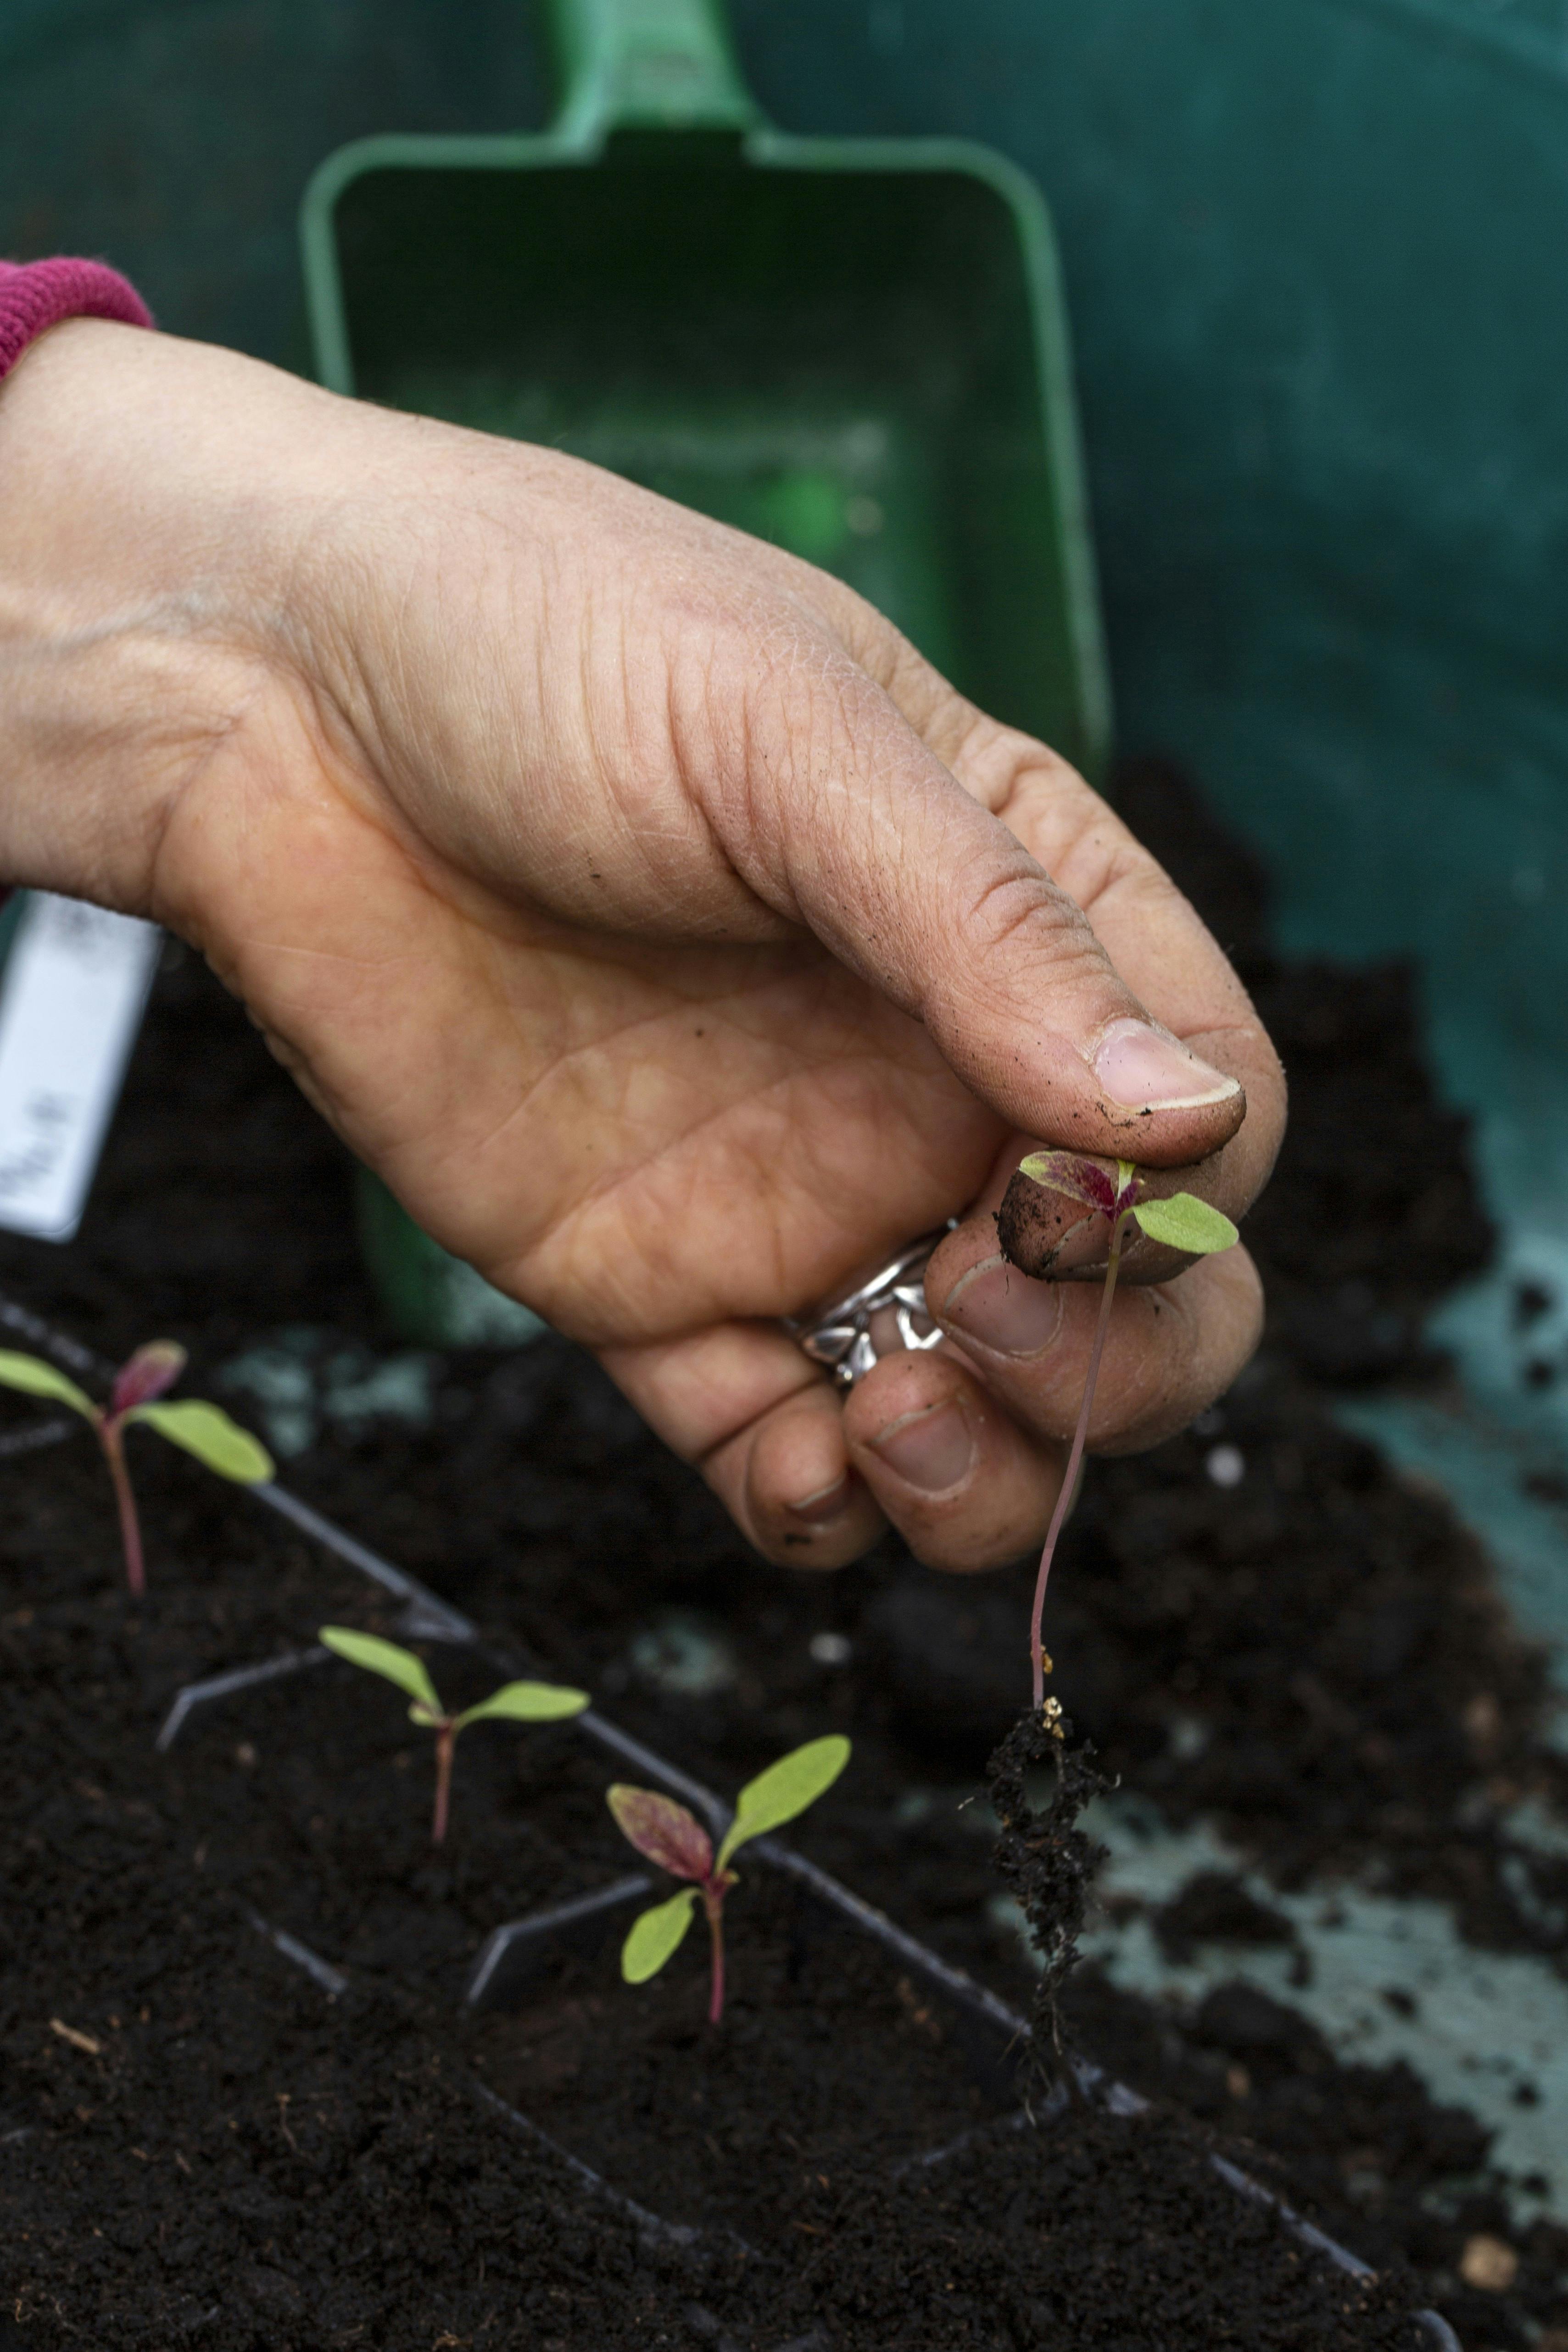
674	1838
519	1702
199	1428
1181	1221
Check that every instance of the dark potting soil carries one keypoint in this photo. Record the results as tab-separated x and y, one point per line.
308	1797
1373	1212
196	2144
828	2060
223	2158
76	1648
1315	1657
311	1797
309	1800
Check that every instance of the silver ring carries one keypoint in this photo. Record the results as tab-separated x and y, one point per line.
841	1338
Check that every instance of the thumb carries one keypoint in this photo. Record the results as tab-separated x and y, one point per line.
878	848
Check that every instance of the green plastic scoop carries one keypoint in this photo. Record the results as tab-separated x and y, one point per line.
855	348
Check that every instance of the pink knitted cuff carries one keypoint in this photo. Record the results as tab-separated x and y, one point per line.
38	294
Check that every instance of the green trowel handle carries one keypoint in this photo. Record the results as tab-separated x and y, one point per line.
647	65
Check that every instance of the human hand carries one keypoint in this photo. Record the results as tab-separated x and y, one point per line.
669	935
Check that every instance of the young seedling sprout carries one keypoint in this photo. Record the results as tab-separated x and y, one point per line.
1181	1221
520	1702
198	1427
674	1839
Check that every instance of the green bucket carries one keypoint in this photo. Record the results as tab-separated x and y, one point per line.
853	347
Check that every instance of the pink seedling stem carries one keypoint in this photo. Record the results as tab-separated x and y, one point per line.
194	1425
1114	1200
144	1376
1180	1220
445	1748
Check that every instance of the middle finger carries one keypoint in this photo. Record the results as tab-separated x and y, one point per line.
1170	1349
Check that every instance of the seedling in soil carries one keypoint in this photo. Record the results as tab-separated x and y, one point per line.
199	1428
1181	1221
1047	1861
674	1839
517	1702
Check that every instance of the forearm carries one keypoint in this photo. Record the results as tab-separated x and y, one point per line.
143	575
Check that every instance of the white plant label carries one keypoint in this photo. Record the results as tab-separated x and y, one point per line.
71	1000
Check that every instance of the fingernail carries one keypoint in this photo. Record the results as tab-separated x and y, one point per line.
1142	1069
1004	1310
932	1450
825	1504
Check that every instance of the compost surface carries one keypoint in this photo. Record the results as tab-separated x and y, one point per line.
198	2142
242	2160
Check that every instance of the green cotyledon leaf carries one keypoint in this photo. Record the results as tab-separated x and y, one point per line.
528	1703
785	1789
205	1431
386	1659
1185	1222
655	1935
35	1378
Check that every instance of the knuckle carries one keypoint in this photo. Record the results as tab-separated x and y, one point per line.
1010	771
1014	905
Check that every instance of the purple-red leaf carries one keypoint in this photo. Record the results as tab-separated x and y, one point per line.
146	1375
662	1831
1080	1179
1129	1185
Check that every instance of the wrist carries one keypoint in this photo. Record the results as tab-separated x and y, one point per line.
142	563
